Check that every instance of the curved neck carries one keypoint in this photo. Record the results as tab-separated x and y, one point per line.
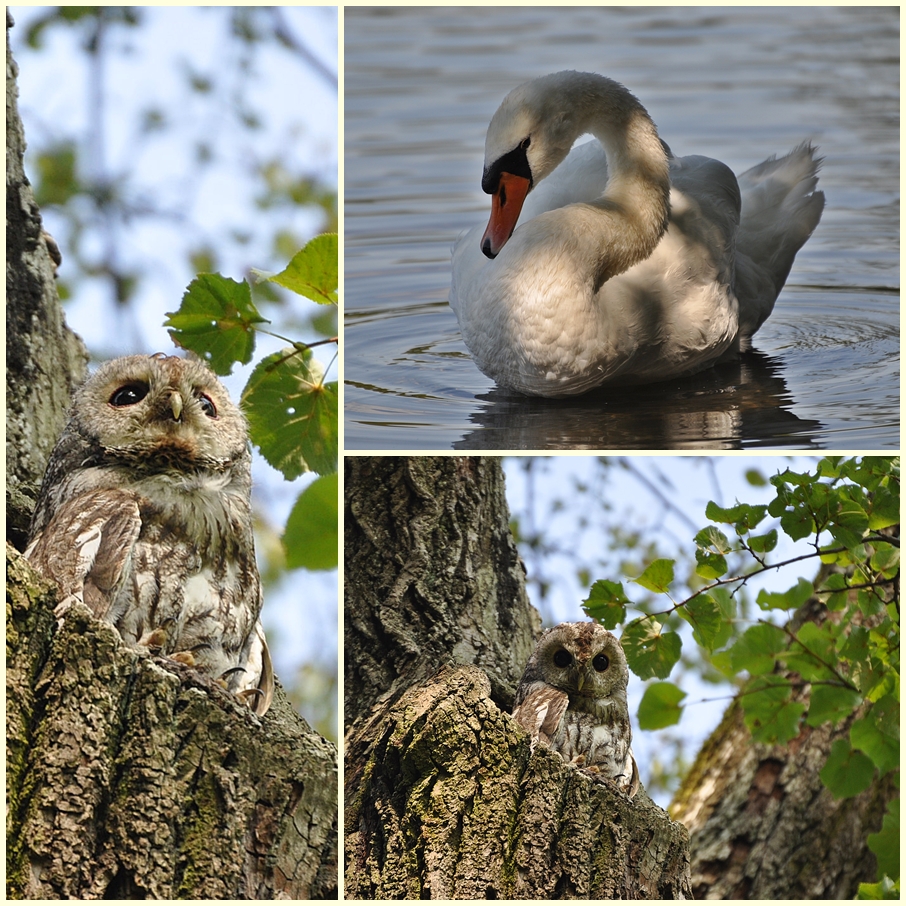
636	200
637	195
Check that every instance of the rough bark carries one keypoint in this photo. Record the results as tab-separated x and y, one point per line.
763	826
445	801
45	360
444	798
131	777
432	576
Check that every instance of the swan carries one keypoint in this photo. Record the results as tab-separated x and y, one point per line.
631	265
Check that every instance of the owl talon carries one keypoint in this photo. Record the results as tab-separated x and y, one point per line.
247	693
183	657
154	640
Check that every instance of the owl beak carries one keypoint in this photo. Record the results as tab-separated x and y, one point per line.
176	406
580	680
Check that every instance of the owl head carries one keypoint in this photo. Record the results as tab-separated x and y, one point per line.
581	659
160	412
158	418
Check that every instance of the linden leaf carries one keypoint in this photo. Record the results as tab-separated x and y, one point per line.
311	538
657	577
293	415
650	652
313	270
847	772
606	602
216	321
660	706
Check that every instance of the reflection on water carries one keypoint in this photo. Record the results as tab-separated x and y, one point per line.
744	403
420	87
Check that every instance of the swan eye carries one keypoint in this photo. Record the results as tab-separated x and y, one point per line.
600	662
128	395
563	658
526	142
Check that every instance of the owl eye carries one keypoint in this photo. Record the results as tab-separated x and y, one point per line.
563	658
207	405
600	662
129	395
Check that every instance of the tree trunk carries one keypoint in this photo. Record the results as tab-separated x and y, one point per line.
128	776
764	827
133	777
45	360
443	797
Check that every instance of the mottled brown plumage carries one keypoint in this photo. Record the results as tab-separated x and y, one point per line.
145	516
572	697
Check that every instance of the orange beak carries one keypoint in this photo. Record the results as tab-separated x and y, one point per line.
506	203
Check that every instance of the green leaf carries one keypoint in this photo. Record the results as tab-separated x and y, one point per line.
710	566
847	772
311	538
878	734
293	416
606	602
649	651
313	270
657	577
885	889
763	544
886	559
712	538
886	843
770	713
798	523
660	706
850	524
704	613
884	508
831	703
742	516
216	321
756	648
836	584
790	599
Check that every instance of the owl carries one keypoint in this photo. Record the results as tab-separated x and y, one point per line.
145	517
572	697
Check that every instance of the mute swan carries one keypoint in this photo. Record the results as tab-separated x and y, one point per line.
631	265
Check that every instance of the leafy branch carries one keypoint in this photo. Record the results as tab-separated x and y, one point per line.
293	413
836	660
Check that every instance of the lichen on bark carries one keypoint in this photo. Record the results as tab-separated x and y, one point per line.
131	777
449	803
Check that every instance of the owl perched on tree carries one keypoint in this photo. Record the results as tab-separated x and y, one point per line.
572	697
145	516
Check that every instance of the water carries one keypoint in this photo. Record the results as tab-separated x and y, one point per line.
738	84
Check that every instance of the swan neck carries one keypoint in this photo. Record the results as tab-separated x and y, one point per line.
636	200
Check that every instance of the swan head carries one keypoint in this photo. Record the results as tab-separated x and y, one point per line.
531	133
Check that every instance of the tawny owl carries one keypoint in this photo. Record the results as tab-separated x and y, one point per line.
145	516
572	697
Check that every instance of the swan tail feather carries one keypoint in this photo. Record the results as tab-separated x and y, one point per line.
781	206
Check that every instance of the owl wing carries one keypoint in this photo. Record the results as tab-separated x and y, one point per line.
85	546
541	711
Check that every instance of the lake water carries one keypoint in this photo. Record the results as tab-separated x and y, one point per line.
737	84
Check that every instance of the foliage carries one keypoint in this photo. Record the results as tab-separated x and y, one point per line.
843	665
293	413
